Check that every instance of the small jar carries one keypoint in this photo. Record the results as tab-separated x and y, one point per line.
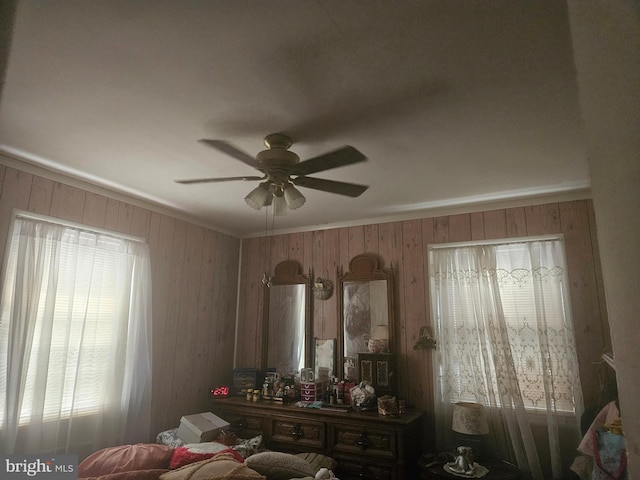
249	394
256	395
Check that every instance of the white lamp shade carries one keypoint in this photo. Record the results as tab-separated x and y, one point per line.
258	197
469	418
293	197
380	332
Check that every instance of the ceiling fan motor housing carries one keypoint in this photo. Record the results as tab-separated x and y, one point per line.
276	159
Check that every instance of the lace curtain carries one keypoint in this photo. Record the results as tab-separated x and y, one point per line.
75	340
505	340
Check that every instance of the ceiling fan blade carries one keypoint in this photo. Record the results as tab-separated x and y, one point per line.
338	158
229	149
332	186
222	179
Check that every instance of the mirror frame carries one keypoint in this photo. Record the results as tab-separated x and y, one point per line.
288	272
363	268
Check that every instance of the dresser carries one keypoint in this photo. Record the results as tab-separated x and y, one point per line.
365	445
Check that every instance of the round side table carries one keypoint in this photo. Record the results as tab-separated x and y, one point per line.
497	471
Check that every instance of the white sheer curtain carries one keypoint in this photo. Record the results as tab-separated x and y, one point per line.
505	340
75	339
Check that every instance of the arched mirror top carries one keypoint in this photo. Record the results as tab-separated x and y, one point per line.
365	312
287	335
288	273
365	266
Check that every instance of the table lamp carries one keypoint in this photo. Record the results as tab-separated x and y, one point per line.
470	423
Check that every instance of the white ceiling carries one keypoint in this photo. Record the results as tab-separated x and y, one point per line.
453	102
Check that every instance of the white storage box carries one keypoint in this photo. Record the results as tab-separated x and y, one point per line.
201	427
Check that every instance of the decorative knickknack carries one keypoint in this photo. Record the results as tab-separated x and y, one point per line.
322	288
426	340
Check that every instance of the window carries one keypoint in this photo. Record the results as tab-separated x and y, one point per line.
503	324
74	325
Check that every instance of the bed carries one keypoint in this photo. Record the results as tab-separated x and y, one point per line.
229	458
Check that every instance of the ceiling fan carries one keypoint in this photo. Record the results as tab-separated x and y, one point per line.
282	169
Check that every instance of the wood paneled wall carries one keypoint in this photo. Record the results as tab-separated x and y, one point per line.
194	274
404	246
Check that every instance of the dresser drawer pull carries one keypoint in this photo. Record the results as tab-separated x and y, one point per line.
240	423
364	475
296	432
362	441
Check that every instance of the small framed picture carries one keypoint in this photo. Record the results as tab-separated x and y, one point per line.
379	369
243	379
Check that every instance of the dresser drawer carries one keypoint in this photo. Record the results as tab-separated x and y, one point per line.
365	441
243	423
309	396
366	445
359	468
303	433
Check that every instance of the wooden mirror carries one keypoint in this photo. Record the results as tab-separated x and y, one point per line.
365	306
287	336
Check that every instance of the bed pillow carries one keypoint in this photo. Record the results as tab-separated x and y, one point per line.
222	466
279	465
318	461
184	455
205	447
126	458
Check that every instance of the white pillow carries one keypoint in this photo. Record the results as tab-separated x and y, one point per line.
205	447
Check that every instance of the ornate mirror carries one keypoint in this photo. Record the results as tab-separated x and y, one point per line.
365	304
287	337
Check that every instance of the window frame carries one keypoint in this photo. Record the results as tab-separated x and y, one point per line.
81	228
530	409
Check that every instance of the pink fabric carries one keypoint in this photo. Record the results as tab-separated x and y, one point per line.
126	458
183	456
153	474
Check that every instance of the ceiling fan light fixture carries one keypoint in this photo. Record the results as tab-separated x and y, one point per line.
259	196
279	205
293	197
